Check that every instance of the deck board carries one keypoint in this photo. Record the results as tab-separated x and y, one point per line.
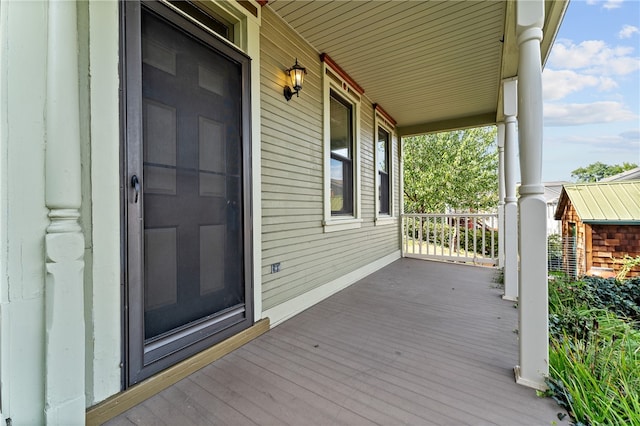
417	342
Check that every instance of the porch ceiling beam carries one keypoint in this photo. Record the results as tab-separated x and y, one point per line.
486	119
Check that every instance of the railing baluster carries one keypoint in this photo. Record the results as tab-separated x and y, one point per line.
405	231
466	236
441	236
450	236
494	243
413	236
455	221
428	241
484	237
420	236
474	236
458	236
428	230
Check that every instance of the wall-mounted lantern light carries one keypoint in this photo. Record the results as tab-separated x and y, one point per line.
296	74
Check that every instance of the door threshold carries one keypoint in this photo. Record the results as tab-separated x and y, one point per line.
129	398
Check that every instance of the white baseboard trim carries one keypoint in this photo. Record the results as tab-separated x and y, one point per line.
292	307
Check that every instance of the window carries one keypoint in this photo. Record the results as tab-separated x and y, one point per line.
341	148
341	130
382	165
209	19
384	126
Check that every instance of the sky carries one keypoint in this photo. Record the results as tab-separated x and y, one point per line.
591	88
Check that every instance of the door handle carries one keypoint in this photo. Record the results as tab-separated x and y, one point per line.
135	184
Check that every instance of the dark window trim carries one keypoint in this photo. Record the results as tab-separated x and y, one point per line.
347	162
384	208
207	19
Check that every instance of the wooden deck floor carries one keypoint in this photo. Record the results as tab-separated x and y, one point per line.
417	343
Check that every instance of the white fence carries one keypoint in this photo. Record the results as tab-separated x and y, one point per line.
468	238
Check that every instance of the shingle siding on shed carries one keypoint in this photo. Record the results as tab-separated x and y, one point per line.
600	245
292	178
612	242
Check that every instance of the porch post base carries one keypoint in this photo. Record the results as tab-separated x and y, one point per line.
537	384
509	298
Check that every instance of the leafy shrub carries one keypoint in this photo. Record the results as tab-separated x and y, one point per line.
597	378
628	263
594	352
485	249
622	298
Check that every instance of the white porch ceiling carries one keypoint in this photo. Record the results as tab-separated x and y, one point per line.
432	65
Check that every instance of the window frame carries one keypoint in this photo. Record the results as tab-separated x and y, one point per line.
347	162
381	122
332	82
379	172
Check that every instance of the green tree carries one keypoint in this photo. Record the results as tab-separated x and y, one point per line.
456	169
597	171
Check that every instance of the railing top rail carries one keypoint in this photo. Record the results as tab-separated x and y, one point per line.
449	214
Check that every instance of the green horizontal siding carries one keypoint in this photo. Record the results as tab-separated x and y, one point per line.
292	178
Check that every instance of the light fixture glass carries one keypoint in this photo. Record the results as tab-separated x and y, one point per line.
296	75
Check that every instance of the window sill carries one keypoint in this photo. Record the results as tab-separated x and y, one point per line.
334	225
386	220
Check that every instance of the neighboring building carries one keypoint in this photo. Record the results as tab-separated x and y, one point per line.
632	174
552	192
159	195
600	225
551	195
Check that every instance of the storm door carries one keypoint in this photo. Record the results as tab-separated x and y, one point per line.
187	173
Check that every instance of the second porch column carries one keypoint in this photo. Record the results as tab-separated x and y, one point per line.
533	300
510	200
501	195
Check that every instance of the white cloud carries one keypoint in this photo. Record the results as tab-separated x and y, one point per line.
627	31
612	4
623	148
592	113
594	57
620	145
558	84
609	4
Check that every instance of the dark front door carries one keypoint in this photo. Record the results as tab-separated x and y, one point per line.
188	230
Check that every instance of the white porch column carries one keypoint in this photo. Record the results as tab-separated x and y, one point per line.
501	195
64	243
510	101
533	300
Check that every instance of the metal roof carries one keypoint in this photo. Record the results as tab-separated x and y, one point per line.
603	202
632	174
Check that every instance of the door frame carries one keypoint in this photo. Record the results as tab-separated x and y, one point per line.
136	366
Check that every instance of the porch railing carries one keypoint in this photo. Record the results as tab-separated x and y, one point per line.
467	238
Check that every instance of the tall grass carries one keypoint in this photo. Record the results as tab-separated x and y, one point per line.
594	355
